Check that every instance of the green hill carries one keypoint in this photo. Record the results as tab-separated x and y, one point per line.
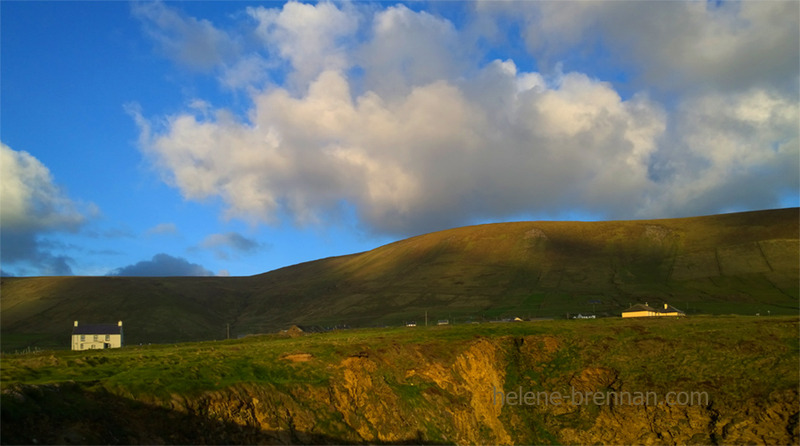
743	263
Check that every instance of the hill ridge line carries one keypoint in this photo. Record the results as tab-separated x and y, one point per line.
743	263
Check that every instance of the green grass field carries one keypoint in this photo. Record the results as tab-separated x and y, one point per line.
202	366
426	376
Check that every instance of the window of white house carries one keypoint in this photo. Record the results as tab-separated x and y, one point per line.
108	338
96	338
83	338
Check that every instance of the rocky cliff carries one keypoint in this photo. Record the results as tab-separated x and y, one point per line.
465	391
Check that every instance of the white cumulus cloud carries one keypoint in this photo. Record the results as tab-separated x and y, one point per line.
313	38
434	158
32	205
30	198
408	49
738	151
390	113
675	44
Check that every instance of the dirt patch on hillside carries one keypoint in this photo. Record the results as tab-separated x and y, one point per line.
298	357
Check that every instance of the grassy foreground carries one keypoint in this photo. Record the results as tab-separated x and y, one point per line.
429	385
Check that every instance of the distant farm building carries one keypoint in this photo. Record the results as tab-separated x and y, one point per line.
96	336
640	310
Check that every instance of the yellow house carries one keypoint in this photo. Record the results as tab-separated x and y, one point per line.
669	310
645	310
96	336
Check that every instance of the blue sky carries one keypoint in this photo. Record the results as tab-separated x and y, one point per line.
233	138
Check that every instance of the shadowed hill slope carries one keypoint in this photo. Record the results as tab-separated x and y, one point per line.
731	263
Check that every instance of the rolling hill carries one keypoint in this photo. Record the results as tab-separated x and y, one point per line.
742	263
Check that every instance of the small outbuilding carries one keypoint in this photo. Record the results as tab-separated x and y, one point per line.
644	310
96	336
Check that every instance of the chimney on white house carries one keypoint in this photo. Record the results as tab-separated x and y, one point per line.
76	323
119	324
665	306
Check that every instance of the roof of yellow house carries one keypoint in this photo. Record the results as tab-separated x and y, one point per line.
644	307
639	307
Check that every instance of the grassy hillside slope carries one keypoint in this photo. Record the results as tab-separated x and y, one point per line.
742	263
435	385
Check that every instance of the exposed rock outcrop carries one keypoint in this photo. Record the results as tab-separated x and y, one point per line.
396	395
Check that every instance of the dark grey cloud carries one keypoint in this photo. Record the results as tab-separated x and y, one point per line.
29	253
162	265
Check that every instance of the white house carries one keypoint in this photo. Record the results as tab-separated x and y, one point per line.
96	336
